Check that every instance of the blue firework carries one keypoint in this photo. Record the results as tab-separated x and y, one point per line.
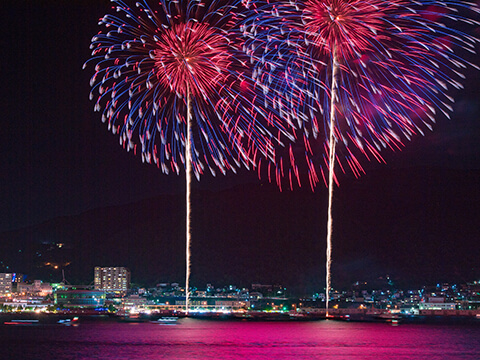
150	59
397	63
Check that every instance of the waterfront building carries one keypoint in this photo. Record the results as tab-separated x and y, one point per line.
134	301
436	303
200	304
112	279
6	283
38	287
22	303
71	299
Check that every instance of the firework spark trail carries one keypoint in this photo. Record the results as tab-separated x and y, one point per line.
374	72
176	76
188	172
331	169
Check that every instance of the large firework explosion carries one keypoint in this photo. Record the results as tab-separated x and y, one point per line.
398	62
149	58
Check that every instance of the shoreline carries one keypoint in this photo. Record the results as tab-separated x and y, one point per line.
345	315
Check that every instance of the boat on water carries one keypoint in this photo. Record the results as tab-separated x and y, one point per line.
389	316
135	317
33	319
166	320
306	316
22	322
68	322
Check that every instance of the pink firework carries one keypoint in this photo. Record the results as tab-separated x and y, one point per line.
149	58
399	64
192	57
346	25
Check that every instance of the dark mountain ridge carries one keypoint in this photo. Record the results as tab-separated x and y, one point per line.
418	229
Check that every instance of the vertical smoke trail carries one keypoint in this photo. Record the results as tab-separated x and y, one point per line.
331	163
188	174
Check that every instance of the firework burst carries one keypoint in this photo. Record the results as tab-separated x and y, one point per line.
397	61
147	61
173	82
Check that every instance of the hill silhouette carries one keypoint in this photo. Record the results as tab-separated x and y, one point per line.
417	229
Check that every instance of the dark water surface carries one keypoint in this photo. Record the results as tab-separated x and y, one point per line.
204	339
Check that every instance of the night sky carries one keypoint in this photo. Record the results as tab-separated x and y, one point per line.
58	159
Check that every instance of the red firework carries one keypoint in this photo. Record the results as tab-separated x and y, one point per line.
346	25
192	56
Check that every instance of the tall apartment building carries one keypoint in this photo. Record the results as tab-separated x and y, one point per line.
6	283
111	279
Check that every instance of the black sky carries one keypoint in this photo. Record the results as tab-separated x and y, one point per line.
58	159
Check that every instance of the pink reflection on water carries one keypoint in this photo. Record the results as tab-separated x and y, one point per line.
204	339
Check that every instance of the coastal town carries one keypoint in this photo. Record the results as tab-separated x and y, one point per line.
111	293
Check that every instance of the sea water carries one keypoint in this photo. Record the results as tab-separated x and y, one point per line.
207	339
